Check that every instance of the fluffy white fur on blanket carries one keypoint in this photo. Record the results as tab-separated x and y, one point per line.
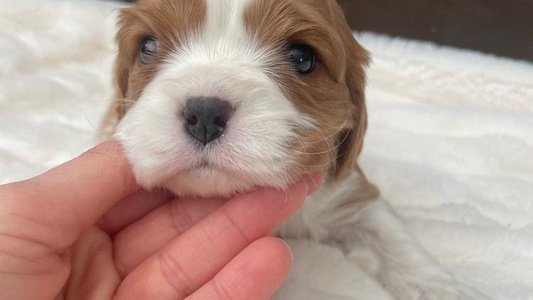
450	141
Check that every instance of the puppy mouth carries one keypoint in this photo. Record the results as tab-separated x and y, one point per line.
203	164
206	179
207	165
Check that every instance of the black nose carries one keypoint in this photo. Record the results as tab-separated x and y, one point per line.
206	118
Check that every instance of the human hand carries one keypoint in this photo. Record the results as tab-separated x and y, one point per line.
85	231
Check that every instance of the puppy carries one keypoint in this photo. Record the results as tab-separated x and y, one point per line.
217	97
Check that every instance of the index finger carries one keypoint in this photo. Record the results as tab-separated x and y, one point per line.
68	199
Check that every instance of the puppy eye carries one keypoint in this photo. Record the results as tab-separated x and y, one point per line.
303	58
149	48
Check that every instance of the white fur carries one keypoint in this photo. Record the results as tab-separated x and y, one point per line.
373	237
380	243
222	61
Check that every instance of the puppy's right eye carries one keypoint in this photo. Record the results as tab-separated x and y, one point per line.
149	48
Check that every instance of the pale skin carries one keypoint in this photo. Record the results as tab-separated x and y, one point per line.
85	230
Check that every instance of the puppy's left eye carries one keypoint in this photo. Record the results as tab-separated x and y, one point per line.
303	58
149	48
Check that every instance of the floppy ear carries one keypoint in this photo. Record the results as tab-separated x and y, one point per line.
125	42
123	63
357	58
121	80
133	28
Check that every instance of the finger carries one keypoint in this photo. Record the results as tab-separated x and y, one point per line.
93	274
144	238
199	253
255	273
53	208
132	209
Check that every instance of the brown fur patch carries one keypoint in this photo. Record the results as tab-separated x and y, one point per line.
333	94
168	21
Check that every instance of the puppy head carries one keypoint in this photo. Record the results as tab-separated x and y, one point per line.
220	96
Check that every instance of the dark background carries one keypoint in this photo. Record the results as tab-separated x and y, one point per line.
501	27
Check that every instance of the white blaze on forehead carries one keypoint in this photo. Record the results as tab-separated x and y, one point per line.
226	17
223	38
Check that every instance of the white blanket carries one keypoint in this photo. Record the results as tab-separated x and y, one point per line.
450	141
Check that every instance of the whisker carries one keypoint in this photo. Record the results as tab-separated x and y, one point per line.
323	152
309	166
318	166
336	132
89	120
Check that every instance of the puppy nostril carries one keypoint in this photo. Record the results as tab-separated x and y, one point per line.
192	120
219	121
206	118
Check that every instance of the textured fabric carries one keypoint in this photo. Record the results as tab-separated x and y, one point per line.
450	141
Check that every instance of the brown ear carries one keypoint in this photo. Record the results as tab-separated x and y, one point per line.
121	87
127	38
130	78
350	142
117	110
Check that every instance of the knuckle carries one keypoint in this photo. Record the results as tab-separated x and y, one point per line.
180	217
175	275
220	290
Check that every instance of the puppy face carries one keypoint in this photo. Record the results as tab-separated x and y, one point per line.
220	96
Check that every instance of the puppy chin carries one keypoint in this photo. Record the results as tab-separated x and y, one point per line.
205	182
